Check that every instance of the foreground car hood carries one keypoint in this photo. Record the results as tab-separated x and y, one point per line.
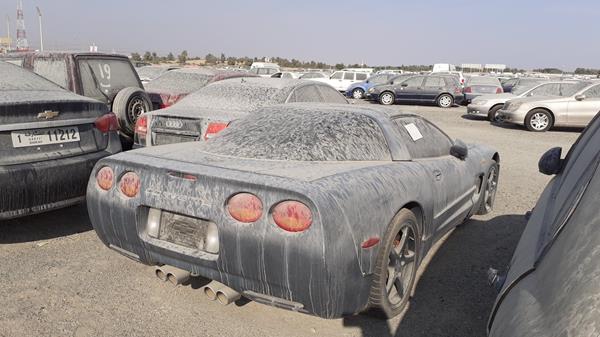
190	153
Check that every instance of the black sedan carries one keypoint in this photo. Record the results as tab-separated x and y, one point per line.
323	209
50	140
552	288
209	110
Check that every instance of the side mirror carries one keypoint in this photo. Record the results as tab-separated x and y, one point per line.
550	162
459	150
580	97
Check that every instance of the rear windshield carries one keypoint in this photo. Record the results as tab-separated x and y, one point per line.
179	82
482	80
235	96
302	135
15	78
106	77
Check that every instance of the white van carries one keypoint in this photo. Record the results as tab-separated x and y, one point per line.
341	80
264	69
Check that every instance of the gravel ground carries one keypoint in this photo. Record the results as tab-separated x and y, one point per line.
59	280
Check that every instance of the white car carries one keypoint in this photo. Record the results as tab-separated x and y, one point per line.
341	80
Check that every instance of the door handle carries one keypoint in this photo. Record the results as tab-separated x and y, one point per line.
437	175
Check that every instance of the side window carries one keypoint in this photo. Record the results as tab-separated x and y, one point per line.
330	95
413	81
423	139
54	70
434	82
349	76
307	93
550	89
361	77
337	75
593	92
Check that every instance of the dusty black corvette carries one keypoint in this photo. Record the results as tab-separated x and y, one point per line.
50	140
321	209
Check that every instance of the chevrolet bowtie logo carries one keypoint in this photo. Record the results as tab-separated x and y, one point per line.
48	114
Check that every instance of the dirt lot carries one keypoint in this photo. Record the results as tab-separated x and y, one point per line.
59	280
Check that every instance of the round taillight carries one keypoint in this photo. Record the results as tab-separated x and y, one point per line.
130	184
105	178
245	207
292	216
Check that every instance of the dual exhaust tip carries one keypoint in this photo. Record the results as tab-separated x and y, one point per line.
214	290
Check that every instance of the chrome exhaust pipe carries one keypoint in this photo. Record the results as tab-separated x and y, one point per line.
160	273
226	295
174	275
211	290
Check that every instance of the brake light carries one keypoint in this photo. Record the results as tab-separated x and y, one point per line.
499	90
107	122
292	216
141	129
105	178
213	128
167	100
468	90
245	207
130	184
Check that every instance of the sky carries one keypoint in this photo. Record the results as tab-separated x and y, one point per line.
525	34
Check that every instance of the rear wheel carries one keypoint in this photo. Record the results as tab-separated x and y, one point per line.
386	98
445	101
488	193
358	93
493	114
396	269
539	120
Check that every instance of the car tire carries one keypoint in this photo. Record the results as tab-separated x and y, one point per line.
358	93
128	104
399	254
387	98
488	190
539	120
445	101
493	114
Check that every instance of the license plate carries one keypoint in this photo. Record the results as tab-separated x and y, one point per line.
45	136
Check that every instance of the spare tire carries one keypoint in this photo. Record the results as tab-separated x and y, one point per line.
128	104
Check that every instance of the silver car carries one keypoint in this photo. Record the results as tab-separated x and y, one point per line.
576	108
488	105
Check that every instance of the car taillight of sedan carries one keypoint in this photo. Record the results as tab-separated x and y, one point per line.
107	122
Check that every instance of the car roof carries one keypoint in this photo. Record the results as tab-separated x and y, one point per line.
66	53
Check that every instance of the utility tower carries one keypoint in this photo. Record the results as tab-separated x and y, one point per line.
22	43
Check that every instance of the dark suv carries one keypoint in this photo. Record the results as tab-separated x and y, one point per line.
109	78
443	90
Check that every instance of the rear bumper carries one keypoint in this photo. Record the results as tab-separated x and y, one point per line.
43	186
253	259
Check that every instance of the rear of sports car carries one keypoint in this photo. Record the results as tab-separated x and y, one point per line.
261	236
48	147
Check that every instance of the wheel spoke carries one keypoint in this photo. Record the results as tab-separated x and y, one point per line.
399	285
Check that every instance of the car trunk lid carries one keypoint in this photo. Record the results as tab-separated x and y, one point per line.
32	131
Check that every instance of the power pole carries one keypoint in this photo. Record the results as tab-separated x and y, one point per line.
8	31
41	34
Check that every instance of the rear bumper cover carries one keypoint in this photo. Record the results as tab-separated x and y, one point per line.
42	186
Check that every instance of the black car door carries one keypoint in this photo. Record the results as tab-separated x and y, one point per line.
454	181
409	89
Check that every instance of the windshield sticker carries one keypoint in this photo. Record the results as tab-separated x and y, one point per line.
413	131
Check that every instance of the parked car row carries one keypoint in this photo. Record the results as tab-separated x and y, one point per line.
542	106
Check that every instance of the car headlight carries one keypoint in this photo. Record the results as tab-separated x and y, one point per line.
479	102
371	90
